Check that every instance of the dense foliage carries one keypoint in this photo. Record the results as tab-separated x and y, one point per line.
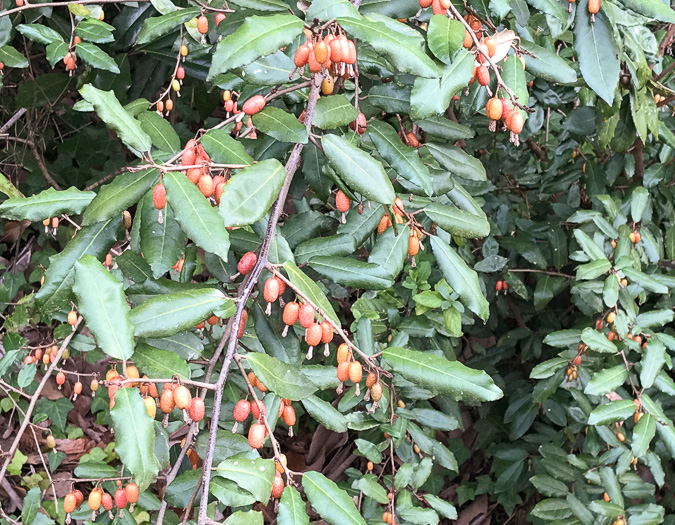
372	261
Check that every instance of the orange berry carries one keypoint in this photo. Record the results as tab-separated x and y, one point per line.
313	334
610	317
371	379
131	491
205	185
326	332
213	320
197	409
355	372
483	75
169	105
593	6
182	397
277	486
291	312
242	410
517	122
60	378
342	202
271	290
376	392
120	498
289	416
69	503
246	263
256	435
253	105
301	55
203	25
494	109
194	174
344	354
107	501
321	52
77	388
577	360
413	245
412	140
491	45
306	315
258	410
72	318
242	324
343	371
166	402
79	497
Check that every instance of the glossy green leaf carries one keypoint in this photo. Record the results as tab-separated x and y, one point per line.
250	193
134	436
224	149
334	111
113	114
606	380
331	502
292	509
157	26
325	10
445	36
514	77
611	412
352	272
47	203
96	31
447	377
160	364
547	65
160	131
462	278
458	222
102	303
447	510
94	56
644	281
371	488
39	33
652	362
404	159
651	9
598	341
251	517
643	433
196	216
12	58
280	125
358	170
598	52
401	49
325	414
458	161
252	475
257	36
309	287
56	292
445	128
123	192
280	378
550	7
168	314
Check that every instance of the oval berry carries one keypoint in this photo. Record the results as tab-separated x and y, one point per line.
271	290
483	75
131	491
517	122
301	55
343	353
107	501
321	52
79	497
326	332
258	409
256	435
306	315
205	185
343	371
342	202
289	416
355	372
277	486
120	498
166	402
494	109
253	105
313	334
197	409
242	324
241	410
72	318
203	25
413	245
69	503
376	392
182	397
150	406
246	263
60	378
291	313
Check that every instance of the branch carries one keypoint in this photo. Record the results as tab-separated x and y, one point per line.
34	400
545	272
64	4
244	293
12	120
41	165
500	81
174	471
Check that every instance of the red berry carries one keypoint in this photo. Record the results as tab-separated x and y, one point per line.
289	416
277	486
359	125
306	315
254	104
131	491
159	196
242	324
60	378
326	332
271	290
241	410
301	55
79	497
483	75
291	312
342	202
197	409
120	498
219	18
313	334
180	73
189	155
107	501
258	410
246	263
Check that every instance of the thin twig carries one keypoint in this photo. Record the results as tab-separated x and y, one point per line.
12	120
244	292
34	400
546	272
64	4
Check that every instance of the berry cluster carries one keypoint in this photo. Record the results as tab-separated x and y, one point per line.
335	54
315	332
501	286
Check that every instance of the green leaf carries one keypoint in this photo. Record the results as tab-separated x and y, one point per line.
369	450
598	341
458	222
445	509
196	216
593	269
282	379
47	203
458	161
224	149
123	192
134	436
432	96
404	159
329	501
94	30
39	33
446	377
643	433
253	475
598	52
280	125
644	281
549	486
352	272
606	381
57	411
95	469
102	303
390	251
610	291
292	509
168	314
445	36
95	57
334	111
97	239
371	488
227	445
263	5
546	64
550	7
638	201
325	414
157	26
257	36
652	362
514	77
563	338
445	128
160	364
12	58
251	517
31	505
611	412
358	170
250	193
404	52
651	9
161	244
114	115
309	287
462	278
160	131
324	10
